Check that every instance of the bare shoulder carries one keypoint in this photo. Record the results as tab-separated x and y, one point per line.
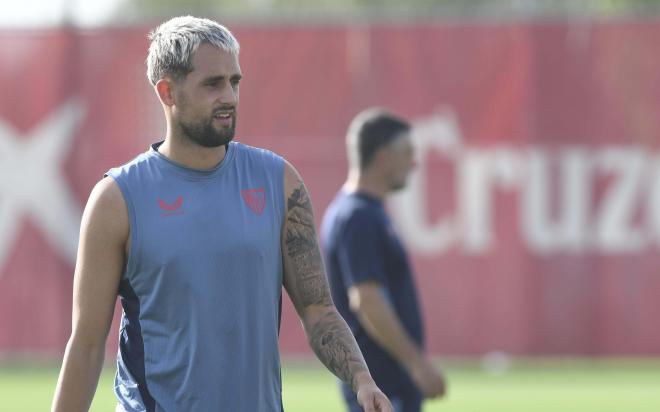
296	196
106	193
298	206
106	210
292	179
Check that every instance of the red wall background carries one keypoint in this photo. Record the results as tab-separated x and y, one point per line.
533	221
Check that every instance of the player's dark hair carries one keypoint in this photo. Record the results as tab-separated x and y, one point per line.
371	130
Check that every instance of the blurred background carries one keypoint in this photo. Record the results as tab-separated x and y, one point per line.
533	219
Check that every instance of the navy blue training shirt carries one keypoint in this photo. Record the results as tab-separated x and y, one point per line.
360	244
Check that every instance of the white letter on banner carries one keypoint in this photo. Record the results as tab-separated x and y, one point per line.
614	222
481	171
568	231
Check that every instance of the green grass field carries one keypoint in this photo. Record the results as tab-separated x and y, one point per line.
526	386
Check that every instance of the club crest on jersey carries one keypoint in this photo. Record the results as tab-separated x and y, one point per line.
170	209
255	199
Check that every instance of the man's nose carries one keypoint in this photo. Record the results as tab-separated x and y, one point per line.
229	95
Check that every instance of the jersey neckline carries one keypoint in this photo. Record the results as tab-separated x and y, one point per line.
191	172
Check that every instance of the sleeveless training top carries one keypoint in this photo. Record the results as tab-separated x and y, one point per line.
201	292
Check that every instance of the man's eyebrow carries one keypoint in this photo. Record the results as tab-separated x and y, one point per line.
213	79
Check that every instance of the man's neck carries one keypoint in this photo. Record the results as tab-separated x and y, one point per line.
190	154
366	183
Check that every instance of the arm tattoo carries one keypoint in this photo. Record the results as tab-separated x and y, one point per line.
328	336
335	346
303	250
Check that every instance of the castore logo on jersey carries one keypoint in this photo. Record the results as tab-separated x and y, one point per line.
171	209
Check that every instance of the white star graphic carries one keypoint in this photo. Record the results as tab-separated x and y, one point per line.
33	184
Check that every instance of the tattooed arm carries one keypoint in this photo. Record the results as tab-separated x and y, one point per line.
307	286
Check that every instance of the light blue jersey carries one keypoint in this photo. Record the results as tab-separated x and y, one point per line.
202	289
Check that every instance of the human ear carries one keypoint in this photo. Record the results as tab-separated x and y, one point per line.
164	91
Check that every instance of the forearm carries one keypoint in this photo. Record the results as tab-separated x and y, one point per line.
78	378
335	346
307	285
384	326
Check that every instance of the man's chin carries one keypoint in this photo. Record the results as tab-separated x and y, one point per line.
208	136
217	140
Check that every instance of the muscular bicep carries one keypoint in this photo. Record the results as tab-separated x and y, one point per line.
99	264
304	274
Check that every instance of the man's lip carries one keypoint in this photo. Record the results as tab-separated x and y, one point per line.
230	111
224	117
226	120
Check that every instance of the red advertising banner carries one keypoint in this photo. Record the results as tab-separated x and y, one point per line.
533	218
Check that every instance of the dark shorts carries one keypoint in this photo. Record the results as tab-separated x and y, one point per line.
410	403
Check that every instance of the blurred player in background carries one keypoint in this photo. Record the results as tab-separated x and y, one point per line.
197	236
370	276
